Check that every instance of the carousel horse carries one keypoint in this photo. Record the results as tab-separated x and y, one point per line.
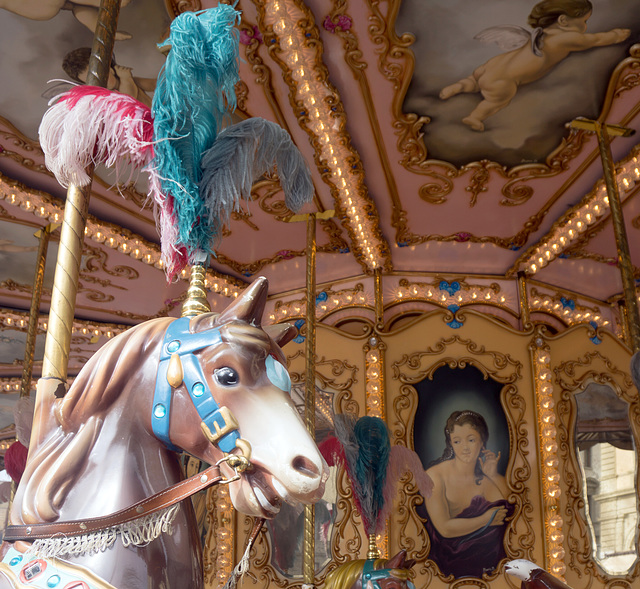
215	386
373	574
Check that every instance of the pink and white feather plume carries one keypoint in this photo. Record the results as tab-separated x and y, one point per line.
91	125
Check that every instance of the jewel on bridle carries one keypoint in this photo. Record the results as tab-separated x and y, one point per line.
179	366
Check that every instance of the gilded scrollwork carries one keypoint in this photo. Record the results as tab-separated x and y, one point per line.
331	120
176	7
95	260
573	377
397	63
458	352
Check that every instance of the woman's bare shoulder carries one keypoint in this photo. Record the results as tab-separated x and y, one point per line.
437	471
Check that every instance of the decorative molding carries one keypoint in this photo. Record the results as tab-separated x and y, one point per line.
572	377
293	40
550	479
566	309
397	63
454	352
50	209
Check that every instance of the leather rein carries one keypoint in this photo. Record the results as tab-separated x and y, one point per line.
166	498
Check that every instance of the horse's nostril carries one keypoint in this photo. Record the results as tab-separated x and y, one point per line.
305	466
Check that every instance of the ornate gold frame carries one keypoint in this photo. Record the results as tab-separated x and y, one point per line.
571	377
502	368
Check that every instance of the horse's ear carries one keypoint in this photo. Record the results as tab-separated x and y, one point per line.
249	306
399	561
281	333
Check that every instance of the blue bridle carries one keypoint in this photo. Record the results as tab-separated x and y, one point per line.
370	573
219	420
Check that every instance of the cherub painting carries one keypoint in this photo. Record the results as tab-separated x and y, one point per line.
559	28
500	80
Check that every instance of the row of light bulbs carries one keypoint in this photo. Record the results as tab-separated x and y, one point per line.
374	381
429	292
578	220
549	450
18	320
136	248
334	301
553	306
316	97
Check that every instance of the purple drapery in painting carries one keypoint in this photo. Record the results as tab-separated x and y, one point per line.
472	554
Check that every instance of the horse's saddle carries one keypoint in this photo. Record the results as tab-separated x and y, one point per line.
31	572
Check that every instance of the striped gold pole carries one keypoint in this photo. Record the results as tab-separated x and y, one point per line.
196	302
65	284
525	313
309	548
43	236
620	232
603	133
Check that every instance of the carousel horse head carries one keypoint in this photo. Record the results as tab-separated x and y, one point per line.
373	574
213	385
229	374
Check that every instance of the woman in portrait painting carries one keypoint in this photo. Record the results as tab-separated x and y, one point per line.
467	511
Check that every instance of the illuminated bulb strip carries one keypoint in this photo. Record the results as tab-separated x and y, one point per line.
549	454
578	219
110	235
374	379
12	384
553	306
316	96
224	537
20	320
467	294
297	309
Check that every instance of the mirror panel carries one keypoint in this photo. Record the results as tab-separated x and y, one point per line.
608	461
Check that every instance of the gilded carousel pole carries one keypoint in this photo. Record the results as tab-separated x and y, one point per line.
43	236
603	133
65	285
309	537
525	314
309	548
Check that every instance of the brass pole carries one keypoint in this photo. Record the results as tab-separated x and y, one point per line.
525	315
372	551
309	548
620	232
43	236
65	284
377	283
624	322
196	302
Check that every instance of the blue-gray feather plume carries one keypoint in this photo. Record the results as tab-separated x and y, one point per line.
241	154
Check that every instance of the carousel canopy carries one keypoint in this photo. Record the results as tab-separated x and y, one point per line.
444	168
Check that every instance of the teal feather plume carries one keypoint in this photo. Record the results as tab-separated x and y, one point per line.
194	93
366	446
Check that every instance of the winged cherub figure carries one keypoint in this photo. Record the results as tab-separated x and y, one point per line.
559	28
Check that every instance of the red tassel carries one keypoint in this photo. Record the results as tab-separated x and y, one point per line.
15	460
332	451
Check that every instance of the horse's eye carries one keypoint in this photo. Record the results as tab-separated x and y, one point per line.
227	377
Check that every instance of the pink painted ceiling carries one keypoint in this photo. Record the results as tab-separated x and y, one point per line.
430	194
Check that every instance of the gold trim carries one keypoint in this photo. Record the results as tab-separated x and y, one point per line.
397	64
501	367
571	377
321	106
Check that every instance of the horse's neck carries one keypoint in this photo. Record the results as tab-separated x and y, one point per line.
126	465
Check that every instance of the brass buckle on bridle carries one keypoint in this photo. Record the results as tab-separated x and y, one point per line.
239	462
